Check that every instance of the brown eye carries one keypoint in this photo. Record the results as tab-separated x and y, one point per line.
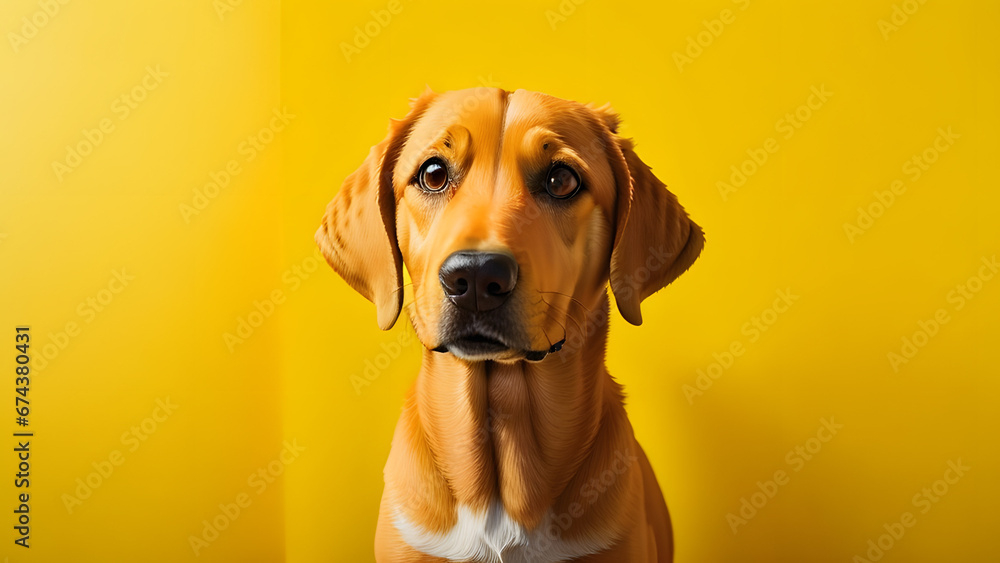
433	175
562	183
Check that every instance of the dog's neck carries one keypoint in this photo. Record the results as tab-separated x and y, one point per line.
524	433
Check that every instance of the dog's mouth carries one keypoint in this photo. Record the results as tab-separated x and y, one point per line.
480	341
487	337
477	346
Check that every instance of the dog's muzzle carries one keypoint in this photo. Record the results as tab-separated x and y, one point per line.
477	284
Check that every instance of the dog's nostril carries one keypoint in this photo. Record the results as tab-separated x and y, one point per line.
493	288
461	286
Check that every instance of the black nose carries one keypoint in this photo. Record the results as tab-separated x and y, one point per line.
478	281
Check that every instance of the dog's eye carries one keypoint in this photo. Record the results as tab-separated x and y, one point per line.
433	175
562	182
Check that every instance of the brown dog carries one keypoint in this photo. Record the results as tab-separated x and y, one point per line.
512	211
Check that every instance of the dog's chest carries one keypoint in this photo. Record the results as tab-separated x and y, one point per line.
494	537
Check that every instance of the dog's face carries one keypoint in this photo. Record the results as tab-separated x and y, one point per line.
511	211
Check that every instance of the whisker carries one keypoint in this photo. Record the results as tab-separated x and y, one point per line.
573	299
402	287
556	320
568	315
547	339
567	312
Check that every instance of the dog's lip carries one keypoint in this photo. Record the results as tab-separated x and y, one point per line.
483	346
477	343
480	339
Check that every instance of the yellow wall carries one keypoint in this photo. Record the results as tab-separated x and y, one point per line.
888	93
160	336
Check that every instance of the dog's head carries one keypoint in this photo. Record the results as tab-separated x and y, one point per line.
511	211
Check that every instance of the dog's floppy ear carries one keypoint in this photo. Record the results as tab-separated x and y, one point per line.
358	233
655	241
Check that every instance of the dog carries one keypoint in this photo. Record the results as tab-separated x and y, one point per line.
512	212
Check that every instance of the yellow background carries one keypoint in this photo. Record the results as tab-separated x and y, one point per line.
162	335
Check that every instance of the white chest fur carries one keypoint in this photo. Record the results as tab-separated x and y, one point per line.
494	537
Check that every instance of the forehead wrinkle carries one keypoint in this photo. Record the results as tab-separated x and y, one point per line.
525	127
505	114
485	126
537	119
